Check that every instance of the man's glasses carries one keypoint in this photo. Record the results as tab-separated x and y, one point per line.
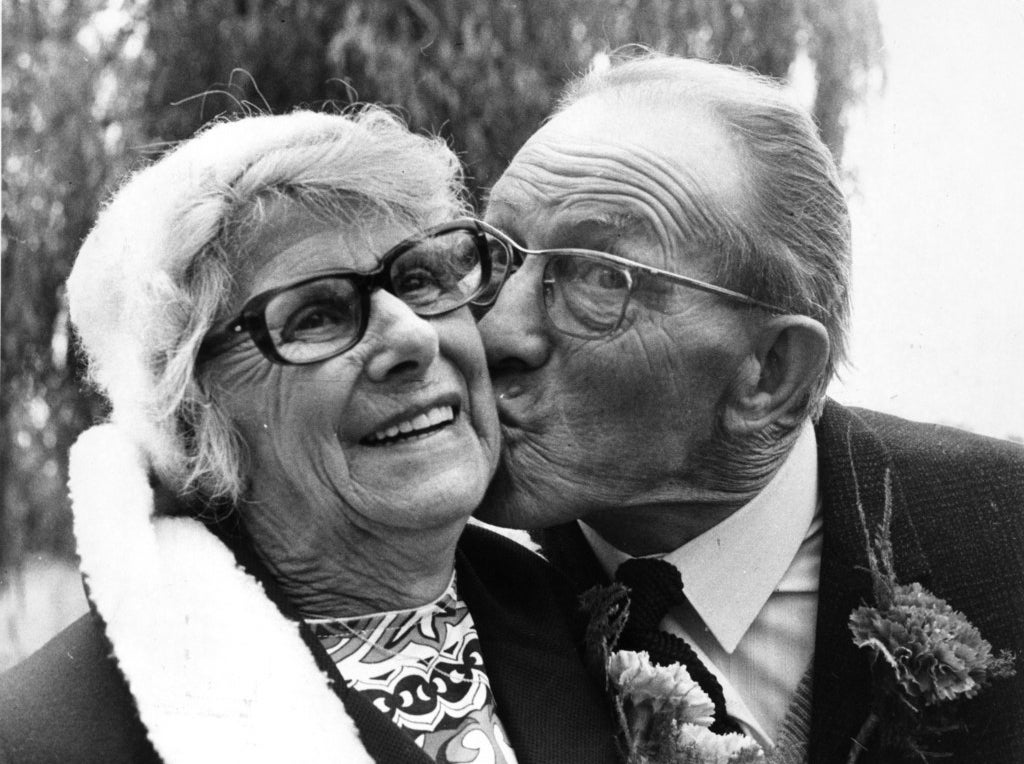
435	272
586	293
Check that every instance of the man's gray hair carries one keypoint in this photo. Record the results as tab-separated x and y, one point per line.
155	272
791	248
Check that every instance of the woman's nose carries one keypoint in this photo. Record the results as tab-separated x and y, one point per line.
404	343
514	331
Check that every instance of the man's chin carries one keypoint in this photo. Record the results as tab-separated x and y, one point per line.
501	502
527	504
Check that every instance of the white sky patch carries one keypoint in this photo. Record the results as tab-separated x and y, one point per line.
939	220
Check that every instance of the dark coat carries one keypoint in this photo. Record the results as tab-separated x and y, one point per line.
69	703
958	529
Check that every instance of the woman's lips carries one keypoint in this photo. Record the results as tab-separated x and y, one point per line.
430	420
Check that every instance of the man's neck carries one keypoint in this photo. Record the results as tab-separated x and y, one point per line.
662	524
659	528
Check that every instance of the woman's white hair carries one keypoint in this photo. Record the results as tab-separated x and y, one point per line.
157	267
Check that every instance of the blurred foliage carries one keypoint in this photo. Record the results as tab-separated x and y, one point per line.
90	87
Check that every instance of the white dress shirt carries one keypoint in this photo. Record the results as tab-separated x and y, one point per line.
752	586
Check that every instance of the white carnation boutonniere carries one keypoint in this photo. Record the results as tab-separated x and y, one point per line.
926	657
664	716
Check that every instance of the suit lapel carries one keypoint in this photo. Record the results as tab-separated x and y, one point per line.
567	549
852	462
551	707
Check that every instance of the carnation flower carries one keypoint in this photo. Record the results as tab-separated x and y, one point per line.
663	714
641	681
699	744
931	654
935	653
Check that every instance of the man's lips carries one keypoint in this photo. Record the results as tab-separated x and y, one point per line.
512	400
510	392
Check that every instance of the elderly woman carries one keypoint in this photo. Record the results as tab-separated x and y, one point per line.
272	528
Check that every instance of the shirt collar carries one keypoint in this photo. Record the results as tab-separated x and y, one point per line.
731	570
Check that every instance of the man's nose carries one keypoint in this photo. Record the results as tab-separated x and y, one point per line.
404	344
514	331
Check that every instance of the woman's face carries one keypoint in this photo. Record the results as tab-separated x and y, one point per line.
397	433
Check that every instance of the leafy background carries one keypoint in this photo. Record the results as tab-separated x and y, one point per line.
94	88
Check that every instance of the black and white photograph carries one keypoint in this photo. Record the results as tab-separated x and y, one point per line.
512	382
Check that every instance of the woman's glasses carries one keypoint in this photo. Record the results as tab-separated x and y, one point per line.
434	272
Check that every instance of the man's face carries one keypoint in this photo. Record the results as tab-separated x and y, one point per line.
617	421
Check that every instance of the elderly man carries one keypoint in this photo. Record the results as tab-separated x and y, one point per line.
666	398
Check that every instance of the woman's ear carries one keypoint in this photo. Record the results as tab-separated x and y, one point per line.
789	356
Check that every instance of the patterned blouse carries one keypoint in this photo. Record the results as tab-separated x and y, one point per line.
422	668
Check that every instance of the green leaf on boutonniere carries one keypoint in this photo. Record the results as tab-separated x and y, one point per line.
607	608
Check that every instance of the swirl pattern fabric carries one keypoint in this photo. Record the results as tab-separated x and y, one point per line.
424	670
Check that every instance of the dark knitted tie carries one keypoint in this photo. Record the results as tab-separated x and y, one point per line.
655	587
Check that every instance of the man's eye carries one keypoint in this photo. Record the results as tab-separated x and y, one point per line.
609	278
597	276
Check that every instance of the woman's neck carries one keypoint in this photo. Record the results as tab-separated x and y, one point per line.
358	571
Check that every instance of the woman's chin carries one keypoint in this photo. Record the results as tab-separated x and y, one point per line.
440	474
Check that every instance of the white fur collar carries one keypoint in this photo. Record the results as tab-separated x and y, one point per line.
216	672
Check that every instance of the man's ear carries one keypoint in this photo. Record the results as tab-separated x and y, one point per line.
789	356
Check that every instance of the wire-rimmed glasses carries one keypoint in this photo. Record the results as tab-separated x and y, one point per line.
586	293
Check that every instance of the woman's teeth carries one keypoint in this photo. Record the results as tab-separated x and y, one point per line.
421	424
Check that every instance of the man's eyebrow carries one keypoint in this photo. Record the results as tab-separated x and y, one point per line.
504	199
602	230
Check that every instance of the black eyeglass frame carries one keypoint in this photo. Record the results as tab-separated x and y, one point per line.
252	321
518	255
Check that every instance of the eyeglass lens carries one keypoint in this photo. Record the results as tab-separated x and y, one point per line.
317	319
585	297
439	274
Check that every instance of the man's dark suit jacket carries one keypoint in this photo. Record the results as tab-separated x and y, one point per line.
69	703
958	528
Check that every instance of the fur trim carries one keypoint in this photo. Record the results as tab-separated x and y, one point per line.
216	672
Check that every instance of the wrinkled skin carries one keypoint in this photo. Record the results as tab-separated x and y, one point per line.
347	527
612	429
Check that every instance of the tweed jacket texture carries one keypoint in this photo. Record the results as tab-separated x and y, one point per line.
69	703
958	528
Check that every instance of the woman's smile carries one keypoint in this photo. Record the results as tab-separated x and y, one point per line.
420	425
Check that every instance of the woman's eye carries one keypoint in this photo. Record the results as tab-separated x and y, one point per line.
315	320
417	285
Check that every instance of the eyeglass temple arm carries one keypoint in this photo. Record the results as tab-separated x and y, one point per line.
714	289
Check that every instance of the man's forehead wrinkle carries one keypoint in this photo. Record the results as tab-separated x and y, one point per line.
681	206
